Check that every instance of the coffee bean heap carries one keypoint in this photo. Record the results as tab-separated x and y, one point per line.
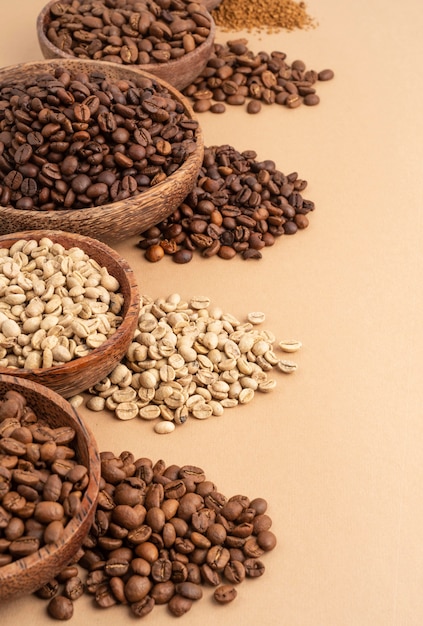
238	206
237	76
161	533
77	140
190	361
271	15
128	31
41	482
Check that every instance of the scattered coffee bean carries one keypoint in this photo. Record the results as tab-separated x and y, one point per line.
225	594
235	75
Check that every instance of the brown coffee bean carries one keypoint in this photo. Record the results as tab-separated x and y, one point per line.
234	571
137	587
254	568
143	607
325	75
266	540
60	608
225	594
253	107
179	605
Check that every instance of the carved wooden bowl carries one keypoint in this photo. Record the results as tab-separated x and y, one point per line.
29	573
121	219
177	72
79	374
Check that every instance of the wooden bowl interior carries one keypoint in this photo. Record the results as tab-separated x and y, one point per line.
81	373
178	72
28	574
116	221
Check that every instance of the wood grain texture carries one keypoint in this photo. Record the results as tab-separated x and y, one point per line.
81	373
29	573
178	72
118	220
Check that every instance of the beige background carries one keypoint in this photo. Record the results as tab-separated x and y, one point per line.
336	449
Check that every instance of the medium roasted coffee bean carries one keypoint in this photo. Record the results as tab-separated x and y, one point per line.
225	594
234	571
143	607
60	608
137	587
74	588
179	605
254	568
189	590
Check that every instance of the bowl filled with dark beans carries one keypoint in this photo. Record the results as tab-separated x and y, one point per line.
171	39
92	148
68	309
49	483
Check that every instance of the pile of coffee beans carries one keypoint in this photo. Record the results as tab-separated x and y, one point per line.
161	534
238	206
76	140
235	75
128	31
41	481
188	361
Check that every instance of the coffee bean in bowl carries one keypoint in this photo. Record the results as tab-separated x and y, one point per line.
68	309
49	483
92	148
171	39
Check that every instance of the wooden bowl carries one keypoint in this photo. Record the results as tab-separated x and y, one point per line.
118	220
29	573
81	373
179	72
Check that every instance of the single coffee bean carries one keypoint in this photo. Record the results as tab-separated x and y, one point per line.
179	605
225	594
60	608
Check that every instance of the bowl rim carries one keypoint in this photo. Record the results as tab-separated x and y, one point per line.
130	307
75	528
108	210
148	67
